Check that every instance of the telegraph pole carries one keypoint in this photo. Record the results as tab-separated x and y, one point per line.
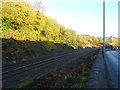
103	27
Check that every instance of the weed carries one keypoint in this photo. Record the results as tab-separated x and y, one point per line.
76	80
84	73
79	80
93	57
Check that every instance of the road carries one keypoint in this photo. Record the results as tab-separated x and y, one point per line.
112	62
15	73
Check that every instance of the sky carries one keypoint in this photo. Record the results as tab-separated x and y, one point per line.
84	16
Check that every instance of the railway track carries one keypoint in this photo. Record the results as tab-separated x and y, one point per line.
12	65
19	72
21	69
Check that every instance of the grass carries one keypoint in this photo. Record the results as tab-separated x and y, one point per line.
23	50
75	78
23	84
27	82
78	80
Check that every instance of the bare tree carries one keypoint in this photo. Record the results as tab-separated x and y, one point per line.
38	6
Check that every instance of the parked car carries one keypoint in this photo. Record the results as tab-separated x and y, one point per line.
108	47
115	48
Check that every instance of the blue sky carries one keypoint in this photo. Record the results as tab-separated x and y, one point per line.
84	16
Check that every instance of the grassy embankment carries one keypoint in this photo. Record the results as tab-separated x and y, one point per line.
23	50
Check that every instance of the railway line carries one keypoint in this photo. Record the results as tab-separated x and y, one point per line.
16	73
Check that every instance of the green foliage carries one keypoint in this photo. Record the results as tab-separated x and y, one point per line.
18	14
25	34
93	57
25	49
91	60
20	21
6	24
49	46
10	50
76	80
39	22
7	33
79	79
84	73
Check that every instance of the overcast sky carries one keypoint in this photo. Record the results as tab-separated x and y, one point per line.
84	16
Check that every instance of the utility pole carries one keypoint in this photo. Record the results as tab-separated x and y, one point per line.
103	27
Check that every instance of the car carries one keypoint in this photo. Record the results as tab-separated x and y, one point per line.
114	48
108	47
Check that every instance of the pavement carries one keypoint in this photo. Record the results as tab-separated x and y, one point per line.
99	76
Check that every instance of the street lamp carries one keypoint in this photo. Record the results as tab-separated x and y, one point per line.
103	27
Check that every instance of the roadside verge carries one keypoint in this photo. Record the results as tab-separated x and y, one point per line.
99	76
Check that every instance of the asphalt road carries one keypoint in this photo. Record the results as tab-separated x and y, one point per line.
112	62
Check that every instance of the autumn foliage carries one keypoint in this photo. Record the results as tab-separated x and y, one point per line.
21	22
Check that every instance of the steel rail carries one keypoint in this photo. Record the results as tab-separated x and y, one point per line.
17	70
30	61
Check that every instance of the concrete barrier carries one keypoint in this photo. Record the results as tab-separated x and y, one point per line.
99	76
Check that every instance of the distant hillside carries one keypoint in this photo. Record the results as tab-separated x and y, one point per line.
22	26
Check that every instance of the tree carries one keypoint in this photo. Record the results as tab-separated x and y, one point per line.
18	14
38	6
